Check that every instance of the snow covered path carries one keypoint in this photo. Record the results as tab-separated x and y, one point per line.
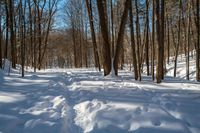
77	101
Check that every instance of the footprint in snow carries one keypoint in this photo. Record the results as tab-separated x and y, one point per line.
138	111
156	122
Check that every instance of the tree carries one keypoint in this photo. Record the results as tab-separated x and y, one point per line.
119	42
188	44
198	42
153	40
179	38
138	38
133	40
96	55
12	33
0	41
106	42
160	38
147	36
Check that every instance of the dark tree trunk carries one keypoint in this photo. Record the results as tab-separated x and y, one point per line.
95	50
160	39
119	44
198	43
0	43
153	40
12	34
7	26
147	37
105	35
138	39
133	41
179	35
188	45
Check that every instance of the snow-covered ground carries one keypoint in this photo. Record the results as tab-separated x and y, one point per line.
84	101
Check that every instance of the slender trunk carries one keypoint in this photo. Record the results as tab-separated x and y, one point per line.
74	46
22	34
153	40
31	32
133	41
188	45
105	35
39	38
179	35
168	41
12	34
95	50
0	43
162	36
160	39
112	28
198	43
7	26
119	44
138	39
147	37
35	41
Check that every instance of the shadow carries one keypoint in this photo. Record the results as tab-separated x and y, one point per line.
150	99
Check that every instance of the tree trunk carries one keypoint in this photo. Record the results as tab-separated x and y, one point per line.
133	41
12	34
138	39
179	35
153	40
0	43
147	37
7	26
105	35
119	44
160	39
95	50
198	43
188	45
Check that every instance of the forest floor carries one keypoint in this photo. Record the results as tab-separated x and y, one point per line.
84	101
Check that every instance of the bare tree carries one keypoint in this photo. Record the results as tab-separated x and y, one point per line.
105	35
96	55
133	41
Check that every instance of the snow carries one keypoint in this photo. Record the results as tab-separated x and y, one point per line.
84	101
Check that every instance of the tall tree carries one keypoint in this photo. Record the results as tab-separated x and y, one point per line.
198	43
105	35
12	33
147	37
160	38
179	37
119	42
95	50
133	40
153	41
188	44
138	38
0	41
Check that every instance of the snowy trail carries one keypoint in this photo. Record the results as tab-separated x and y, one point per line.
77	101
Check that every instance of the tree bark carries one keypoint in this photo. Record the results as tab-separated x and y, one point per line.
119	44
12	34
147	37
188	45
0	43
96	55
153	40
138	40
105	35
133	41
179	35
160	39
198	43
